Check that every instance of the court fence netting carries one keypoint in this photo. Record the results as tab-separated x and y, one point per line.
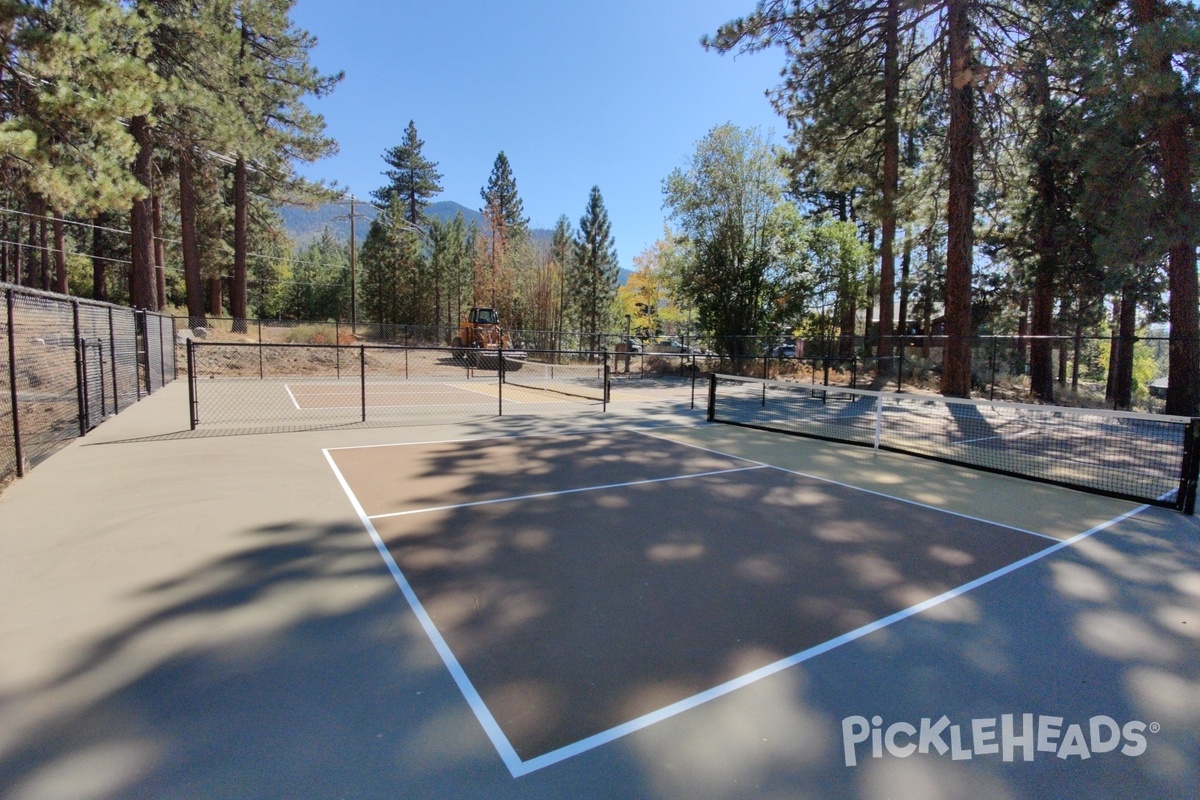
334	384
67	364
1140	457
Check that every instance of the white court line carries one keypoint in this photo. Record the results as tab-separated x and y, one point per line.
564	491
678	707
997	436
537	435
289	391
504	748
507	754
870	491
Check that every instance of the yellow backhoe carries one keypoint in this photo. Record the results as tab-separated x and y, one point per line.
480	340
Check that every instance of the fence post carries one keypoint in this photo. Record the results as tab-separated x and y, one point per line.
992	384
193	410
900	370
499	381
362	372
12	383
80	369
112	351
162	353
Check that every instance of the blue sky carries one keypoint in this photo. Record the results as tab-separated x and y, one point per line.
576	94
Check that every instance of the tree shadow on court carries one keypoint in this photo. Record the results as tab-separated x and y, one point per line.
288	668
291	666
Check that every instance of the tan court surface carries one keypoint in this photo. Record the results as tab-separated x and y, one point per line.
202	615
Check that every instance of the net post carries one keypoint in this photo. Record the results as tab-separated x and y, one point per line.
878	420
693	367
1185	500
604	391
712	396
193	411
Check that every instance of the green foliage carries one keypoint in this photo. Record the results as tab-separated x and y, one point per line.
725	201
72	76
412	177
500	197
593	272
396	280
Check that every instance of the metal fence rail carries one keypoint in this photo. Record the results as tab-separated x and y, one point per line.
67	364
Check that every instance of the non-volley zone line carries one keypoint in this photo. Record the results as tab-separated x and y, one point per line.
561	492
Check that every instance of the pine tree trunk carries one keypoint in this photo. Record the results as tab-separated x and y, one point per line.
214	296
16	259
141	223
960	212
31	261
99	265
1123	385
891	183
4	251
160	268
1075	353
44	251
1183	388
193	284
237	289
60	256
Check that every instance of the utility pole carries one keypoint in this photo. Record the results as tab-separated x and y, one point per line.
353	275
353	267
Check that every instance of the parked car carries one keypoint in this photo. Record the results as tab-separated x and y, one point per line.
783	351
670	346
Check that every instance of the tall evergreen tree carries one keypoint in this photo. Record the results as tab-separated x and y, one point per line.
505	228
594	273
413	178
273	79
501	194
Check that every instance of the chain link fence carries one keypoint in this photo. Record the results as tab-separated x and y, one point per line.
68	364
1000	363
306	385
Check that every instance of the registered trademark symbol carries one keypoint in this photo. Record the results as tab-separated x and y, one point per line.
1155	727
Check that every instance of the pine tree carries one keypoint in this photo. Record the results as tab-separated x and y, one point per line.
273	78
501	193
594	274
413	178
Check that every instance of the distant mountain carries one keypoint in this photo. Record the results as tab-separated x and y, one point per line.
446	210
305	225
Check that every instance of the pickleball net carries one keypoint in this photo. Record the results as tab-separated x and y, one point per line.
585	381
1143	457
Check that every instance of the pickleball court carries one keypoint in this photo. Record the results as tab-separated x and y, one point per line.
583	587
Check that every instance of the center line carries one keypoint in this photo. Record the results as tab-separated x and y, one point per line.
562	492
